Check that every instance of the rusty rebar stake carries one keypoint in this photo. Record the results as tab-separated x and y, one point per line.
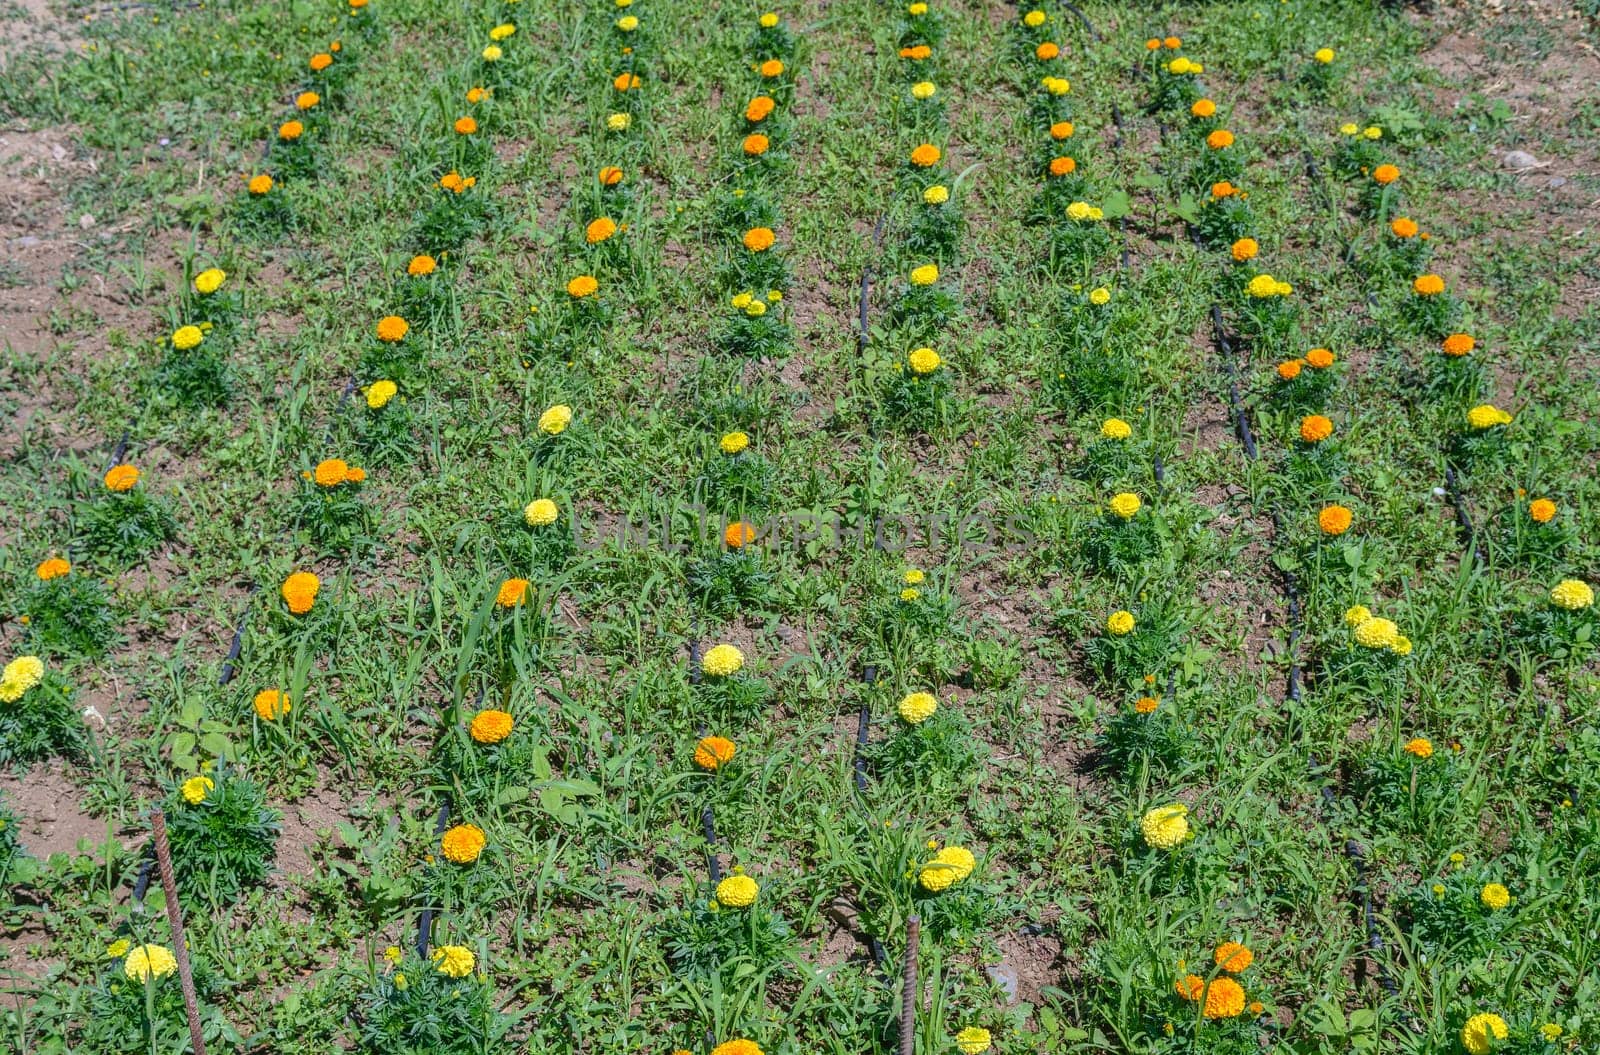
908	994
180	950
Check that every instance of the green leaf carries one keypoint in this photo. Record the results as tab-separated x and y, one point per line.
1116	204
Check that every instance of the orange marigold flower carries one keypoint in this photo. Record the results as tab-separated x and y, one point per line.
463	843
1385	174
1403	227
755	144
759	108
466	126
714	752
1419	747
1289	370
1153	44
392	328
270	705
1203	108
925	155
422	264
55	567
1542	510
1223	189
771	68
1334	520
1219	139
1146	705
625	82
582	286
477	95
290	131
1224	997
259	185
1314	428
321	61
610	176
300	591
306	100
1063	166
916	53
512	592
1172	43
121	477
330	472
1320	358
1047	51
1245	249
759	239
599	230
490	726
1062	130
355	475
738	534
1458	344
1429	285
1233	957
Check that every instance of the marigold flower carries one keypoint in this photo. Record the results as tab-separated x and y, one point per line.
454	961
1063	165
916	53
1120	622
270	705
973	1040
713	752
490	726
300	591
187	337
923	361
722	661
619	122
1458	344
738	534
599	230
380	392
582	286
1219	139
1245	249
918	707
1494	896
1115	429
1099	296
1355	615
259	185
759	239
1429	285
1376	633
53	568
121	478
755	144
1323	55
392	329
463	843
512	593
770	19
1224	998
466	126
759	108
937	194
477	95
194	789
1289	369
770	68
492	53
1223	189
1334	520
1264	285
1487	416
330	472
20	675
1047	51
209	281
1165	827
923	90
539	512
1542	510
149	961
1033	19
925	156
321	61
1385	175
1056	85
1233	957
1172	43
738	1046
1572	595
1319	358
1203	108
306	100
420	265
289	131
1482	1033
1314	428
925	275
1062	130
1403	227
609	176
627	23
1146	705
737	891
1419	747
733	442
1125	504
625	82
554	421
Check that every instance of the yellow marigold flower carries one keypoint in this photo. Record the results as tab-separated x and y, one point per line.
420	265
1033	19
737	891
1487	416
733	442
1125	504
1203	108
20	675
149	961
1482	1033
1165	827
1100	296
1376	633
755	309
1115	429
186	337
554	422
194	789
925	155
722	661
463	843
1385	175
1334	520
492	53
1319	358
1314	428
759	239
380	392
1233	957
599	230
937	194
1401	645
392	328
923	90
1372	132
300	591
918	707
1262	286
1323	55
739	1046
628	23
619	122
1550	1032
1355	615
1494	896
1120	622
306	100
118	949
1245	249
1062	130
1572	595
909	594
1349	129
925	275
490	726
209	281
1056	85
713	752
1419	747
755	144
454	961
512	593
1078	210
973	1040
53	568
1542	510
270	705
1429	285
539	512
924	361
768	20
914	577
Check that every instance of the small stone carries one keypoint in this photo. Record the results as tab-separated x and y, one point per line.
1521	160
1005	976
27	241
86	221
1557	181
